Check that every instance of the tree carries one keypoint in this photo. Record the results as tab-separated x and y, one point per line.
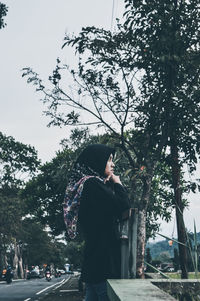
17	162
33	246
38	246
44	194
3	13
168	52
10	223
74	253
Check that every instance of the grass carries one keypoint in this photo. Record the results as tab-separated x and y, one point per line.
191	275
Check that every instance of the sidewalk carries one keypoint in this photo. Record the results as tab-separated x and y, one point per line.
68	291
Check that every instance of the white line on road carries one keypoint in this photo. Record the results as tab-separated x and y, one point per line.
67	291
48	287
27	299
62	282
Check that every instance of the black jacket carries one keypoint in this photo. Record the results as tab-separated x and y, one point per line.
100	209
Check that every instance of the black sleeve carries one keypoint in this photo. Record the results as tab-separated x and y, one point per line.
98	197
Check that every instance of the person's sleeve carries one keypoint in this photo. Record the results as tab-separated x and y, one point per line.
103	199
122	195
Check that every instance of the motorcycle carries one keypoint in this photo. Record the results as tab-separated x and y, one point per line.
48	276
57	274
9	275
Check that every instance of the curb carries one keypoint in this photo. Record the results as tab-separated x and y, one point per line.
15	280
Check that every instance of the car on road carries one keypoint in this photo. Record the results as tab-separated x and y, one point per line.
34	273
69	272
63	272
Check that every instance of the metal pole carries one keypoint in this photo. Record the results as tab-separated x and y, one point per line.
133	222
124	249
128	229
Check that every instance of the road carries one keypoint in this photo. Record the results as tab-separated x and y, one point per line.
29	290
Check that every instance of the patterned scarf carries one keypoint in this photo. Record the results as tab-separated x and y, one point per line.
72	200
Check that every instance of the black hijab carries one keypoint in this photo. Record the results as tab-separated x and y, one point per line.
94	159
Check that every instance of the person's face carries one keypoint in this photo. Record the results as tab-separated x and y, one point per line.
109	166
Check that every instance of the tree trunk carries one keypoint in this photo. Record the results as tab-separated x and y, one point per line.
15	261
18	262
141	239
15	264
182	237
21	270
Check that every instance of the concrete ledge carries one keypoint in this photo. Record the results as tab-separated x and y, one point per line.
189	288
135	289
174	280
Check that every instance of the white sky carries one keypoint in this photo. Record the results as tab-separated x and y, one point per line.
33	38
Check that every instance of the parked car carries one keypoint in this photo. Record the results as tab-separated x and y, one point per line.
63	272
35	273
170	269
76	273
69	272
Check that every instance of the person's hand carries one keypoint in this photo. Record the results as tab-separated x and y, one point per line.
115	179
107	179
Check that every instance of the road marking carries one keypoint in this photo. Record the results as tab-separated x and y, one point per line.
38	293
68	291
27	299
62	282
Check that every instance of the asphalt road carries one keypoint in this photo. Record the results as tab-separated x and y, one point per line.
29	290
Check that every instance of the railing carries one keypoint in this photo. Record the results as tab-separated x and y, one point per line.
128	230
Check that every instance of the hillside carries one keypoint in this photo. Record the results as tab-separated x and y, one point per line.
163	246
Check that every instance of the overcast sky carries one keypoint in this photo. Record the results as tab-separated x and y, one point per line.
33	38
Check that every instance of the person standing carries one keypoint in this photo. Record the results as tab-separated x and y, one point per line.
95	200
